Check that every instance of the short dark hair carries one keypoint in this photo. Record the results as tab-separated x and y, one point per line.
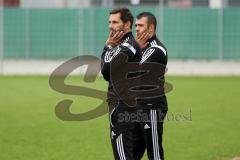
151	19
125	15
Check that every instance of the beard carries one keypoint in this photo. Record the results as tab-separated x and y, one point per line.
140	33
115	30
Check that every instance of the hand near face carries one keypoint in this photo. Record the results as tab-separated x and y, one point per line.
114	38
142	39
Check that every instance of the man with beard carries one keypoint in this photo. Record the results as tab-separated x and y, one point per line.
120	42
149	133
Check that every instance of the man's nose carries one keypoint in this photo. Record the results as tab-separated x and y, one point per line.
136	28
110	26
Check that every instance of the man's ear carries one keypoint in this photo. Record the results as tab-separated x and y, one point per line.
127	25
151	28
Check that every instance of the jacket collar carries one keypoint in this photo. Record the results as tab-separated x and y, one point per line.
128	34
154	37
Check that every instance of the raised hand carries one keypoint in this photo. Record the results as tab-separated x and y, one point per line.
114	38
142	39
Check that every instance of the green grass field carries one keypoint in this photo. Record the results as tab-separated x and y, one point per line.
29	129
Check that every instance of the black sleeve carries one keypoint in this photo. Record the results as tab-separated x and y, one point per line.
105	64
129	50
109	54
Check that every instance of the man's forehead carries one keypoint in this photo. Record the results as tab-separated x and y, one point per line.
141	20
115	16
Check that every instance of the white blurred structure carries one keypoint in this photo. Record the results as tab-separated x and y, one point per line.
55	3
217	3
135	2
111	3
39	4
174	67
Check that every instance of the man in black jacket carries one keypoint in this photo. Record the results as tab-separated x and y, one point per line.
148	134
120	42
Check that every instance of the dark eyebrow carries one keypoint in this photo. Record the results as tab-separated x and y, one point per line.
139	24
112	21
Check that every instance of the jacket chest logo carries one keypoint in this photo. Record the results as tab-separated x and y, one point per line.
147	54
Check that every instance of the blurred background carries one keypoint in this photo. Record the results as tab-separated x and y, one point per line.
57	29
36	36
61	29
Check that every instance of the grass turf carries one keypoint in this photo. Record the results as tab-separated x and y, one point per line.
29	128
